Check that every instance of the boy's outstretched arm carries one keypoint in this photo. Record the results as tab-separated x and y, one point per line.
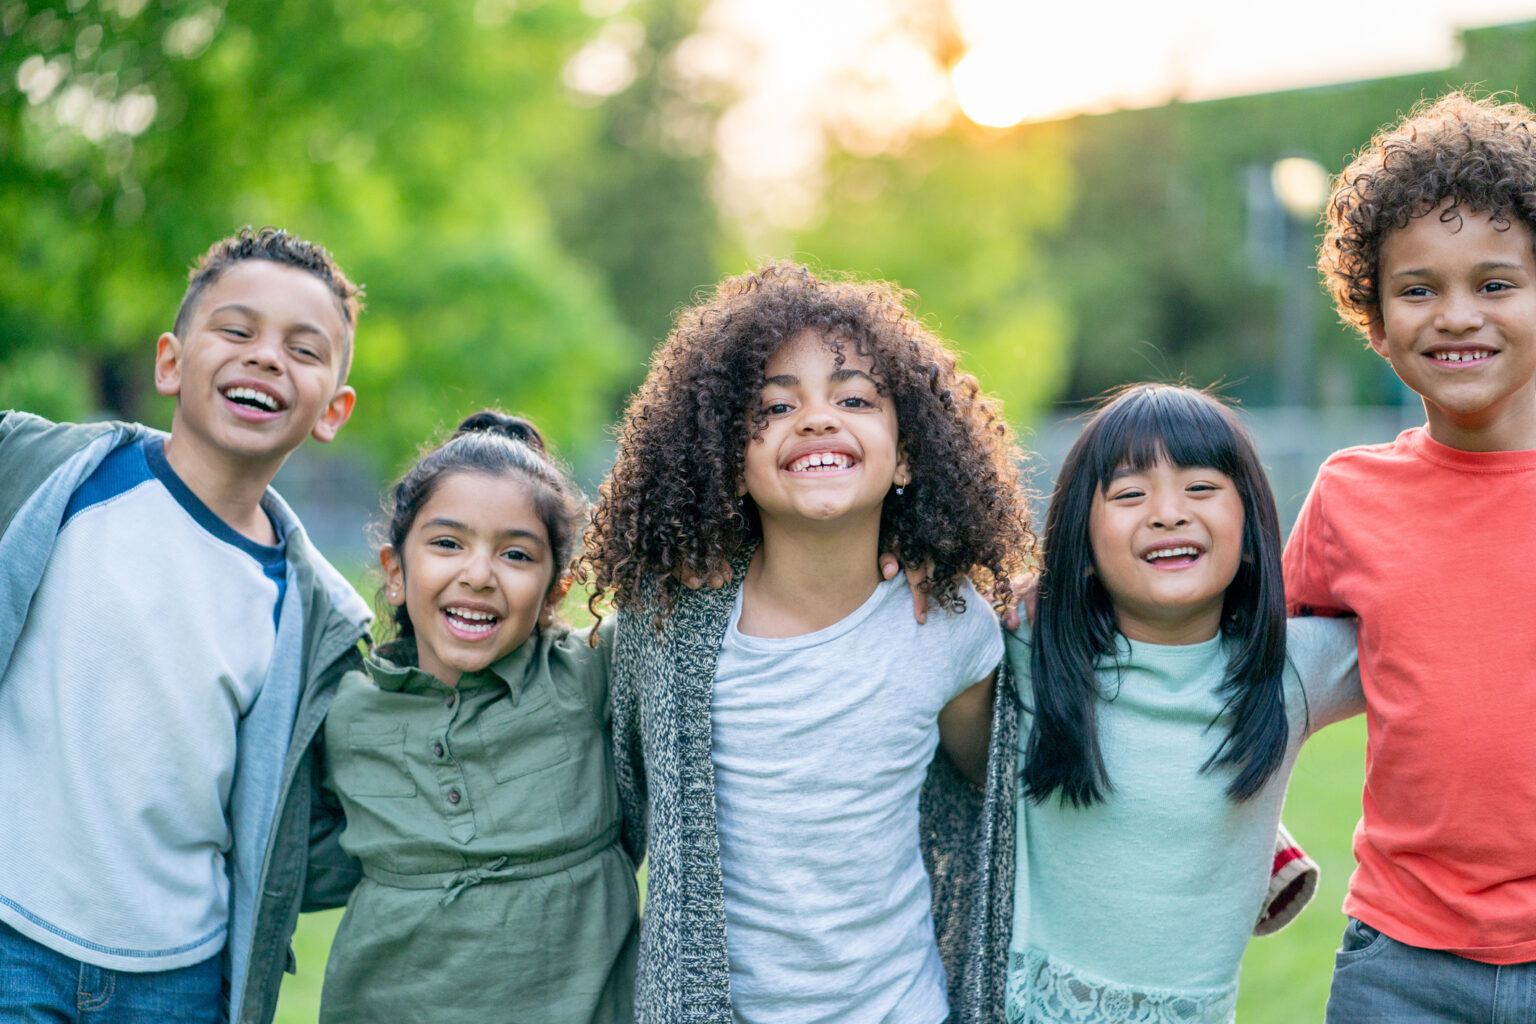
965	729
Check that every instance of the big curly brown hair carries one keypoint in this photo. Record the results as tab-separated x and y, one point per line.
1477	153
669	509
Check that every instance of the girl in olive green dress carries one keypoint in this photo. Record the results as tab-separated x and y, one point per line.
472	761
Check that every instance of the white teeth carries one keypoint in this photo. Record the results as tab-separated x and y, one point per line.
472	621
261	398
1189	552
1460	357
821	460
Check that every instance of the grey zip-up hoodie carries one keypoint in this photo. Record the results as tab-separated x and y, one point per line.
274	865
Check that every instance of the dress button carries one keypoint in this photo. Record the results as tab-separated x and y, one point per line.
437	750
452	699
453	796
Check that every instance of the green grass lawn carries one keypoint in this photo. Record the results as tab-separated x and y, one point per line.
1285	976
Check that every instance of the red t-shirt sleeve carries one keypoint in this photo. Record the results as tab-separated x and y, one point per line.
1308	586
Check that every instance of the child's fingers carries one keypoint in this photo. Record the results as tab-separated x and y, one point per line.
916	577
1025	588
714	581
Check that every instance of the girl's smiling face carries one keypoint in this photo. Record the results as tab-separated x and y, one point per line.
475	573
829	450
1167	542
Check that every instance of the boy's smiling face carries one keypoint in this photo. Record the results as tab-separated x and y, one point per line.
258	370
1458	324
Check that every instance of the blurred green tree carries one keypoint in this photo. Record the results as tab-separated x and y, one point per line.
414	142
958	219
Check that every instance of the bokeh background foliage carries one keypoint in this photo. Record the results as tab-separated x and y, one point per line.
434	149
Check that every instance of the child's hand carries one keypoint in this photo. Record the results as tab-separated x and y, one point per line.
915	579
1025	589
714	581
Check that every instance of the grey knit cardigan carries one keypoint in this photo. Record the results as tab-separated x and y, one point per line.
661	691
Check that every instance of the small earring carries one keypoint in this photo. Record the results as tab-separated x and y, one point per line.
900	490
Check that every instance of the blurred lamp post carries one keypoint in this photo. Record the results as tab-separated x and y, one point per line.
1300	186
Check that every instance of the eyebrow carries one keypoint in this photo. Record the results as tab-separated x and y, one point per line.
244	310
789	380
1480	268
453	524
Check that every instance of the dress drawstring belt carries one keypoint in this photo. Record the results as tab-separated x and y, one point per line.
464	879
501	869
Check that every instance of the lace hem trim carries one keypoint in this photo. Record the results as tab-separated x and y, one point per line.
1044	991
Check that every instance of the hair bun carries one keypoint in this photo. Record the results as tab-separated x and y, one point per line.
515	427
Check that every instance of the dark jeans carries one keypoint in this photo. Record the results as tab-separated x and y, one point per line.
1378	980
40	986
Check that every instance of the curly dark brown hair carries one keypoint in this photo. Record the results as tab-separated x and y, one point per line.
669	509
1478	153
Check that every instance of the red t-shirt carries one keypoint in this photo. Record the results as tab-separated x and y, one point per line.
1434	549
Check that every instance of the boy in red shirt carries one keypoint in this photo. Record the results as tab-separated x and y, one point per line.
1430	250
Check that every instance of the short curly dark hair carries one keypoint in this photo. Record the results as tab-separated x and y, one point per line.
669	509
1478	153
276	246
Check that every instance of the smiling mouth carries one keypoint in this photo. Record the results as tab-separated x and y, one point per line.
253	399
821	462
1461	357
1184	554
470	624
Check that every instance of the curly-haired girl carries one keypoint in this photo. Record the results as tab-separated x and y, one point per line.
773	735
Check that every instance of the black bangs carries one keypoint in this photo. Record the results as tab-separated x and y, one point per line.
1148	424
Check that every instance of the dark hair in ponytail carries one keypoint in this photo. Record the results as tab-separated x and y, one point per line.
493	444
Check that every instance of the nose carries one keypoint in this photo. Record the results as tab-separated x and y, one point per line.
1459	313
816	420
1167	511
264	352
476	572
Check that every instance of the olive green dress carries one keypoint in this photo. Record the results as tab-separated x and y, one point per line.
486	819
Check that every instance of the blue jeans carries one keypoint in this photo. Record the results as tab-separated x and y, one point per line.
40	986
1378	980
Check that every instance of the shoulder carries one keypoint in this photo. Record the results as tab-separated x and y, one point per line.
1387	459
574	650
340	602
969	636
47	444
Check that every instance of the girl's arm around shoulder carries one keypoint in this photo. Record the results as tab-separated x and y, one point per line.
582	659
1324	654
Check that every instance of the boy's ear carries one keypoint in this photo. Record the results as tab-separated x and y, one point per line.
556	595
168	365
1377	333
335	415
394	575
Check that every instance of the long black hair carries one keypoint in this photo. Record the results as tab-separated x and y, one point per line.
495	444
1075	626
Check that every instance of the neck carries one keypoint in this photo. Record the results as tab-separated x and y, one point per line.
233	493
804	580
1507	427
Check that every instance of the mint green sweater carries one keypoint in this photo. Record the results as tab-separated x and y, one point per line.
1138	909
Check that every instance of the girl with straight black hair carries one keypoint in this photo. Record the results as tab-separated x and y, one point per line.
1165	700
